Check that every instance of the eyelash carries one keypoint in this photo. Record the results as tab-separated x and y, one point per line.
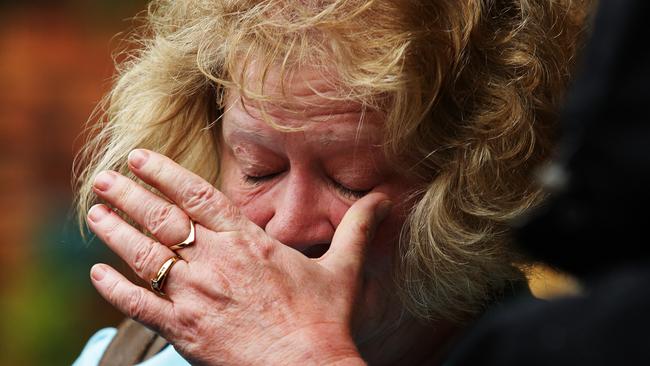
256	180
345	191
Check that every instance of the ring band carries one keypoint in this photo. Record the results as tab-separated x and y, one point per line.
158	282
187	242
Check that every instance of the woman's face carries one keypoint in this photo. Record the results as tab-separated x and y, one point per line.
298	185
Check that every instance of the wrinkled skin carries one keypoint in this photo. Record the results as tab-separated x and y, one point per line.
278	273
297	186
239	296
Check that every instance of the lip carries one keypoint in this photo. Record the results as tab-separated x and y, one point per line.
315	251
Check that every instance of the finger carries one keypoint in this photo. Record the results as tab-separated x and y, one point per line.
355	231
164	220
144	255
198	198
134	301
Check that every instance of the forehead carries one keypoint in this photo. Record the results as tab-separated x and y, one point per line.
303	101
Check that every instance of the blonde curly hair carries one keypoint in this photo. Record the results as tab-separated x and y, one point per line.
469	90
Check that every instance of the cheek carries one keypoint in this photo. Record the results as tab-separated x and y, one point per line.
253	203
260	203
240	194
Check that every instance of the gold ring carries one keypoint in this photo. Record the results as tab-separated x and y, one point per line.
158	282
187	242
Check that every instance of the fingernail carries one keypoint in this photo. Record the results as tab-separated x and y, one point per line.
97	212
137	158
383	209
98	272
104	180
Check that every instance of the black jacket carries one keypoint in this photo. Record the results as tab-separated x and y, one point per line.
596	225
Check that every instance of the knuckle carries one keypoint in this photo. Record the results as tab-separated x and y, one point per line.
156	172
197	194
125	191
188	317
190	341
142	256
224	287
238	239
111	290
168	330
230	213
261	248
216	285
112	232
362	228
190	323
134	305
157	216
226	215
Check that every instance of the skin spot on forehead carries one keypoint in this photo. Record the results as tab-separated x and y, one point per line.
245	156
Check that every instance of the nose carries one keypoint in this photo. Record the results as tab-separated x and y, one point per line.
300	213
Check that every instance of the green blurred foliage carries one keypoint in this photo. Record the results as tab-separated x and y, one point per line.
53	307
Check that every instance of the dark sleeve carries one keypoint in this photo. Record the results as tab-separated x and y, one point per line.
607	326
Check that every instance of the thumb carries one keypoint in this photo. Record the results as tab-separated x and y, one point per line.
355	231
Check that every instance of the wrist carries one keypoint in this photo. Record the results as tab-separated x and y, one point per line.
322	345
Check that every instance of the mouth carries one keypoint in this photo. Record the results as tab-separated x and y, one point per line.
315	251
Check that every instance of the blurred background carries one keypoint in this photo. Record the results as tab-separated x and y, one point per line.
55	64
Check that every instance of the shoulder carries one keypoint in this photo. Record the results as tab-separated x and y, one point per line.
130	344
95	347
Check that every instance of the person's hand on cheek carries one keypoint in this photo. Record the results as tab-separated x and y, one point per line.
236	291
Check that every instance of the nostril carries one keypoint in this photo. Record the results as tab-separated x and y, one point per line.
316	251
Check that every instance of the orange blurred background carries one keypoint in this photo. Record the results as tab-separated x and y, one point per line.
55	63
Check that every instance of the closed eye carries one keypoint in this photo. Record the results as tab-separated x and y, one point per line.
255	180
349	192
